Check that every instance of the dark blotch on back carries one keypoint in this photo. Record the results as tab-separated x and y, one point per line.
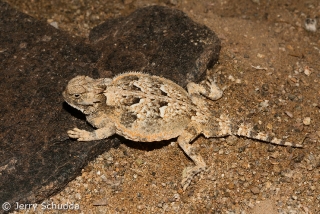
126	80
163	103
135	100
163	93
135	88
129	78
127	119
130	100
193	112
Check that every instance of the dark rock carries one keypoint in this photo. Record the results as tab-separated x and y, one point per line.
156	40
36	156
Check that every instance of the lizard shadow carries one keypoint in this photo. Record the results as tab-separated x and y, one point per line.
150	146
73	112
146	146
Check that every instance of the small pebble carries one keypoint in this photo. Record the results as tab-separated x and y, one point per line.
46	38
54	24
307	121
265	87
176	196
264	104
291	96
78	196
310	25
255	190
268	184
174	2
289	114
101	202
23	45
307	71
231	186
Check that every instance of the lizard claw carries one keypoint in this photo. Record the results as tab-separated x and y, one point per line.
215	92
80	135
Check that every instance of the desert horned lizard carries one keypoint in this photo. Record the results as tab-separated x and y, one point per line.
146	108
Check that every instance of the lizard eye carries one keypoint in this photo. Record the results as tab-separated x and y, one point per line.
76	96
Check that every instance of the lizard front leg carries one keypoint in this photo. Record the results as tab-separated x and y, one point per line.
98	134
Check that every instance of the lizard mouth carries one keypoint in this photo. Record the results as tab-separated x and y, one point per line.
91	103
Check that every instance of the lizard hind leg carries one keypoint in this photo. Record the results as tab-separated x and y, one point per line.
189	134
209	89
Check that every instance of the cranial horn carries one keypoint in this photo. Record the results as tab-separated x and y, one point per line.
76	89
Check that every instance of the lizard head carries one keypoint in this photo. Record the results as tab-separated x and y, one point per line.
85	93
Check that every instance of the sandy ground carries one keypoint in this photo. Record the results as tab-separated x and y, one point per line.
269	69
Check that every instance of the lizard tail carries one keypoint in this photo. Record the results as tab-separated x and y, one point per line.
246	130
223	126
